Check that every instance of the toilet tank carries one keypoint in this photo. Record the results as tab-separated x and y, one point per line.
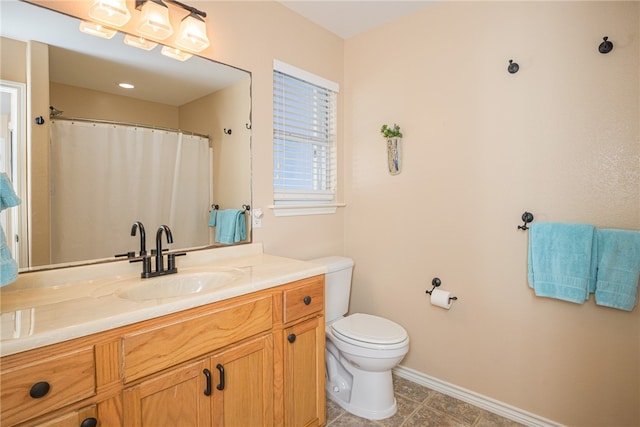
337	287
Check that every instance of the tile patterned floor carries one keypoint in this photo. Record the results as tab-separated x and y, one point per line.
419	406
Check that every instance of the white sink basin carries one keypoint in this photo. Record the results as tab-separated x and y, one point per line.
180	284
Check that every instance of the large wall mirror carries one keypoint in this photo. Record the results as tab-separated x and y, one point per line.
161	153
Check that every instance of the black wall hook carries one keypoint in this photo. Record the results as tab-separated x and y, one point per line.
606	46
513	67
527	217
227	131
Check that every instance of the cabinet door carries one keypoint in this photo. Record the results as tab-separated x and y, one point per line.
175	398
304	396
243	384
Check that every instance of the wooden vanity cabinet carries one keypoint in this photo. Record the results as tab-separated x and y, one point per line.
254	360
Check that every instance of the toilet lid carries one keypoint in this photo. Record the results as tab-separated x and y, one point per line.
368	328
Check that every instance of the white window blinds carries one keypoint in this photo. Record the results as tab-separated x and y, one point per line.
304	139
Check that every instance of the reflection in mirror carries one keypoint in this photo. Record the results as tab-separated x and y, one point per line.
109	156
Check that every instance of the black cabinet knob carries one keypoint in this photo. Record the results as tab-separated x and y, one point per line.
89	422
39	389
307	300
291	337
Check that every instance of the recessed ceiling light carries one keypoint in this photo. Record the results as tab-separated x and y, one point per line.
126	85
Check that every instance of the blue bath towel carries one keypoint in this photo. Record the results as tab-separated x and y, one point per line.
231	226
213	214
8	197
618	268
8	266
562	260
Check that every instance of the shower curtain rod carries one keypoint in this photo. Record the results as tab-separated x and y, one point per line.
111	122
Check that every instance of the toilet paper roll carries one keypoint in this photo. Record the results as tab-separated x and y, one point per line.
441	298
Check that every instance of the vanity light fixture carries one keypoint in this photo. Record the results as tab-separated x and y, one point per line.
110	12
175	53
126	85
154	19
97	30
193	33
139	42
153	23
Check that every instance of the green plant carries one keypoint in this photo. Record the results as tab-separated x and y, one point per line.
391	132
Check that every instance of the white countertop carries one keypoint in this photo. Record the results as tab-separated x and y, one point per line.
43	308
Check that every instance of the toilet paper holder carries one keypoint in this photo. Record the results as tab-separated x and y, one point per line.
437	282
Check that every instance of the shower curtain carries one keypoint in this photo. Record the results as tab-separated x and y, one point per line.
105	176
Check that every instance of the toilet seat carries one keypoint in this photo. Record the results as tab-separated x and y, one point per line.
366	330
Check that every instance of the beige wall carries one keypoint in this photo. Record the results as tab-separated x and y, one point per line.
225	109
560	139
80	102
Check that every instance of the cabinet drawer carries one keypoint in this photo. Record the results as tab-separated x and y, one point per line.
304	299
162	346
61	379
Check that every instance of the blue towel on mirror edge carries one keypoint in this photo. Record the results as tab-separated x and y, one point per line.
231	226
8	197
618	268
8	266
562	260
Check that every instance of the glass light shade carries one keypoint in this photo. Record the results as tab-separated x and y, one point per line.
110	12
97	30
139	42
193	34
154	20
174	53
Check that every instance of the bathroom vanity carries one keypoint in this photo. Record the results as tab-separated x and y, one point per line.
247	350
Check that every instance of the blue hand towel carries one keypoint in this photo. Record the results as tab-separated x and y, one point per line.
618	268
8	267
562	260
231	227
8	197
213	213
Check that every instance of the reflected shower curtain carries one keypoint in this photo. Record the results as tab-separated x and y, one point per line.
105	177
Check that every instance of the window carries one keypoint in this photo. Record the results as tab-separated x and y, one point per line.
304	142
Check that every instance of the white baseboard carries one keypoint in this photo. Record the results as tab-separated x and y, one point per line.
484	402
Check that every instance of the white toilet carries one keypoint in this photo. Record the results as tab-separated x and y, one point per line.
361	349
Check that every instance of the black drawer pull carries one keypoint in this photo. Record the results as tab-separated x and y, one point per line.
207	374
220	369
291	338
89	422
306	300
39	389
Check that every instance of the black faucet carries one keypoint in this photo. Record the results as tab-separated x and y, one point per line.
143	237
146	260
159	257
136	225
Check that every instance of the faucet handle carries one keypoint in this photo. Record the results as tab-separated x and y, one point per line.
128	255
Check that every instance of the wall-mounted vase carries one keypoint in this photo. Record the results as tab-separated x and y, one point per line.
394	155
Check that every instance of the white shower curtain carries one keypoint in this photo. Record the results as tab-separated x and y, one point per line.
106	176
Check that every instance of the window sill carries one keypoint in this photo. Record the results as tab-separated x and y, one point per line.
302	209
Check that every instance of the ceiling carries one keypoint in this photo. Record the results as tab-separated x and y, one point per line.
348	18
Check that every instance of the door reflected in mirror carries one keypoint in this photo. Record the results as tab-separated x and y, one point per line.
107	156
